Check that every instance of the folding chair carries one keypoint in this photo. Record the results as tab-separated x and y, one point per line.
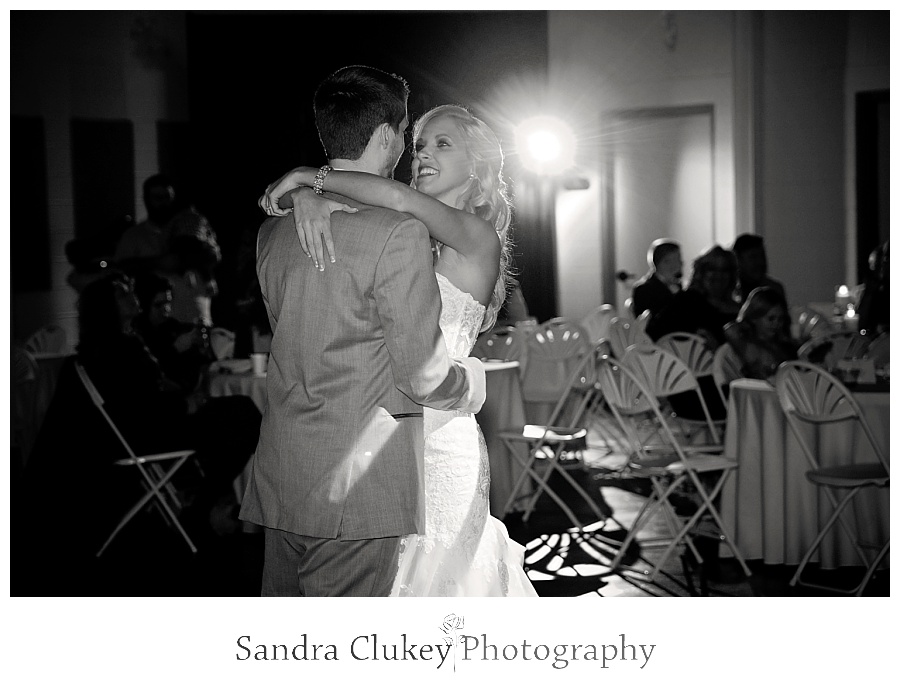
623	332
810	324
155	479
540	449
879	350
844	345
503	343
726	367
665	375
690	348
669	467
810	394
596	323
49	339
552	351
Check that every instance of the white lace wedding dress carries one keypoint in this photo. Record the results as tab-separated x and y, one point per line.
464	552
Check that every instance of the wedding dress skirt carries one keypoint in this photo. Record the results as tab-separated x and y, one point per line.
464	551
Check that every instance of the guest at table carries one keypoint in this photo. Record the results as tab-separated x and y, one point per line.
153	413
656	289
761	334
753	266
182	349
707	305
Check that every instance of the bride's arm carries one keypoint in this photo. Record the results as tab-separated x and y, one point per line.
466	233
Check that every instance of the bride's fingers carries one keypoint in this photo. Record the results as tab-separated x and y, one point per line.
301	234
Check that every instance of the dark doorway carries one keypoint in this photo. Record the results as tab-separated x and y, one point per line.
873	118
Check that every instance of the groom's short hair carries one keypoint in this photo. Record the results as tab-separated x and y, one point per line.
350	103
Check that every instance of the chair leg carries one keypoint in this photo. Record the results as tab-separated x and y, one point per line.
646	511
153	492
872	567
835	516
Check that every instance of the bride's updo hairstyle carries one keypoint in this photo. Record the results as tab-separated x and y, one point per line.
486	194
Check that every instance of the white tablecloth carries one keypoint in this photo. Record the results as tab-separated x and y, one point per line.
770	506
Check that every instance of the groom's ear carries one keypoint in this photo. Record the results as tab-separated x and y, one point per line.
385	134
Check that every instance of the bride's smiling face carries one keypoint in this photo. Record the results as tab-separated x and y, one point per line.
441	165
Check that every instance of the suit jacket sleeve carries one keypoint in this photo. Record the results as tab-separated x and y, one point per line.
409	306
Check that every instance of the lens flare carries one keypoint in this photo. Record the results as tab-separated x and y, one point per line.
546	145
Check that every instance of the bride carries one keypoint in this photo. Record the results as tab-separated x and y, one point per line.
458	192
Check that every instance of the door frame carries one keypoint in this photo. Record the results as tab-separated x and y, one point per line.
621	119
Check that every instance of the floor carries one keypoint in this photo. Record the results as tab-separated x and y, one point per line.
149	559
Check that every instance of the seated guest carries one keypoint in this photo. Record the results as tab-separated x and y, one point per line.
182	349
753	266
146	245
714	277
190	269
707	305
152	413
761	335
655	290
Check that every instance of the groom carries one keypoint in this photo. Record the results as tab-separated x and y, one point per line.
337	479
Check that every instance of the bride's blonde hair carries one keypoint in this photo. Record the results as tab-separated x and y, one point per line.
486	194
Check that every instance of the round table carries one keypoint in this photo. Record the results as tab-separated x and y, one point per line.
768	504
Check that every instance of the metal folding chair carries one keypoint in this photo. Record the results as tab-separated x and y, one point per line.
502	343
154	478
623	332
669	467
809	394
843	345
540	449
552	351
726	367
665	375
596	323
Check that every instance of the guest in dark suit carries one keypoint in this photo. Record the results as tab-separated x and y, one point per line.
655	290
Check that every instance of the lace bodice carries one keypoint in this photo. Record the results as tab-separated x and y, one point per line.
461	318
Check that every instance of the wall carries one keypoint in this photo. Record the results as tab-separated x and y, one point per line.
802	151
612	60
98	65
784	158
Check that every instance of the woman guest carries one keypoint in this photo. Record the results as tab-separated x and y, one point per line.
761	334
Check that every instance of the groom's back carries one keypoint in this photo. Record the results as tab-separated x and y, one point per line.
337	437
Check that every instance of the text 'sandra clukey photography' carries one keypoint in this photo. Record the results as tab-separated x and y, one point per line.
451	650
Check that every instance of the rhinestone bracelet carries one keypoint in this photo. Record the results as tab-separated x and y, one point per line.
320	178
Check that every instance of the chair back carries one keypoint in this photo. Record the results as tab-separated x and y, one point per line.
879	351
809	393
553	349
664	374
502	343
596	323
843	345
97	400
726	367
623	332
630	401
49	339
690	348
811	324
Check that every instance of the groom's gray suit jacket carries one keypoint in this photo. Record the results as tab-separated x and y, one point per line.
356	351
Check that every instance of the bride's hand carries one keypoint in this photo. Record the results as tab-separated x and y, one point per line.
312	218
268	202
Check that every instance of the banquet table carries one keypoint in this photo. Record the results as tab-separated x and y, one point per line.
768	504
503	409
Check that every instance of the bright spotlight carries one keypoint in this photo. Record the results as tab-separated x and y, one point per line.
546	145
